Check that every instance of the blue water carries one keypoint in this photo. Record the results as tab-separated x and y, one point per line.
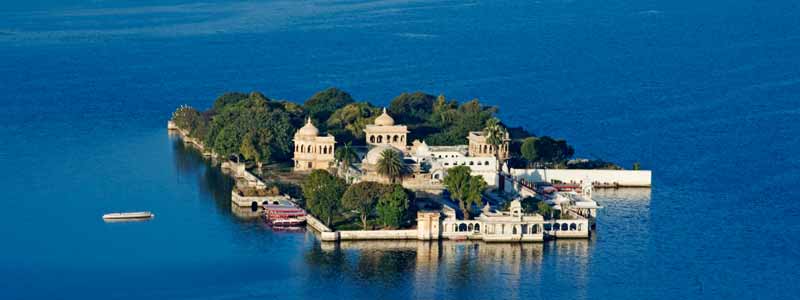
707	95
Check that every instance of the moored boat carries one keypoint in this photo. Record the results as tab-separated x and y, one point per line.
284	212
140	215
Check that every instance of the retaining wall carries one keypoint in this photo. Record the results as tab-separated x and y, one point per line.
621	178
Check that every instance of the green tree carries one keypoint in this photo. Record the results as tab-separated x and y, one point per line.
544	209
391	165
322	192
228	98
393	206
348	122
457	121
495	136
248	149
345	156
546	150
637	166
465	188
362	197
322	104
529	204
412	108
256	115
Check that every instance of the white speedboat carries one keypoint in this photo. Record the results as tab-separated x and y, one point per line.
140	215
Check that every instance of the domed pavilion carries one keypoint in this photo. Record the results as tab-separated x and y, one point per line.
312	150
385	132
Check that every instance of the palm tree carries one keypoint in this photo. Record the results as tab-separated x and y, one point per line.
345	156
391	165
495	136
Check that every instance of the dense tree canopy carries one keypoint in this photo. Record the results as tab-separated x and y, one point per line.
347	123
362	197
546	150
322	104
322	192
393	206
261	130
267	125
412	108
457	121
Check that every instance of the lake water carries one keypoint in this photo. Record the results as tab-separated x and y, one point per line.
707	95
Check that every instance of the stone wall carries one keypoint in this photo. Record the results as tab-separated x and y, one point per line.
601	178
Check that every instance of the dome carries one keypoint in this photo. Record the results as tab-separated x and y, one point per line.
308	130
374	155
384	119
423	150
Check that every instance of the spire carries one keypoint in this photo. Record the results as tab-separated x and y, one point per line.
384	119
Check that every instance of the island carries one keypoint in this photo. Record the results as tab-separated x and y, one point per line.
425	167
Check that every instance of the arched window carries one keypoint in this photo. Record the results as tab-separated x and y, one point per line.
455	227
462	227
486	163
534	228
472	163
402	138
514	230
564	227
573	227
310	165
579	227
524	228
547	227
469	227
396	138
477	227
380	139
371	138
556	227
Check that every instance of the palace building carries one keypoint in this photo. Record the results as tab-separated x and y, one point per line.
478	146
312	150
384	132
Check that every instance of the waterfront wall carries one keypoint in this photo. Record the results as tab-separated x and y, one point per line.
600	178
409	234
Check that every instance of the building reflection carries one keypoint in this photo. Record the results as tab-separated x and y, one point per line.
436	266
